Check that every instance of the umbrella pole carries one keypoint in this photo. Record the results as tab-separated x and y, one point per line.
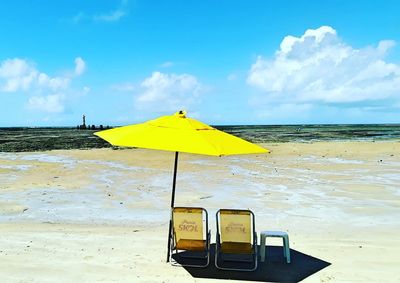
172	205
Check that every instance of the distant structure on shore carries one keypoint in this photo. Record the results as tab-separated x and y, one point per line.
88	127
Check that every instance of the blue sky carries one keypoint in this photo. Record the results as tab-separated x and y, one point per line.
225	62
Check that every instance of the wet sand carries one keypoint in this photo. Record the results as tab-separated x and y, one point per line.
102	214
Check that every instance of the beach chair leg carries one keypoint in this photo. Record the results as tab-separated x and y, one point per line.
286	248
262	248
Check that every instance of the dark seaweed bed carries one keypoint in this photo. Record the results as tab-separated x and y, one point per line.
39	139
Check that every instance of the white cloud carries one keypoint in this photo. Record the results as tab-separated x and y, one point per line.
53	103
80	66
49	93
167	64
14	67
54	84
168	92
16	74
20	75
114	15
319	67
105	17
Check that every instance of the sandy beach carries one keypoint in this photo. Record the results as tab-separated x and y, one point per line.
101	215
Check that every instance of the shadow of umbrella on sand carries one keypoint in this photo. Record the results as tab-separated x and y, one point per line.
179	133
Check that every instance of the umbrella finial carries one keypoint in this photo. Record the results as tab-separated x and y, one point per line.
181	114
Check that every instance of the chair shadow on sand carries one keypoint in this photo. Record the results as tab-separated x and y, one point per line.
274	269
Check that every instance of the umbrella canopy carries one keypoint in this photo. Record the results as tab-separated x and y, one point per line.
179	133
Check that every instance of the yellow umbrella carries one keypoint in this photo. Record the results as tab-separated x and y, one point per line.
180	134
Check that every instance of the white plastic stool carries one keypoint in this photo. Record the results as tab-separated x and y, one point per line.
279	234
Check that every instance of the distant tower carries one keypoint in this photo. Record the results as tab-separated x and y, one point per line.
84	121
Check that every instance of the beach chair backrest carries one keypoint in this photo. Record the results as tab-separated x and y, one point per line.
235	226
188	223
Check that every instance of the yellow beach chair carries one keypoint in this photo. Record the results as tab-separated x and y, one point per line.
236	239
190	237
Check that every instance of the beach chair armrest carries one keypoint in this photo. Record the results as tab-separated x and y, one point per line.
218	239
255	243
173	241
208	243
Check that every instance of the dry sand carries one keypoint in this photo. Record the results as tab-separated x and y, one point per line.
102	215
